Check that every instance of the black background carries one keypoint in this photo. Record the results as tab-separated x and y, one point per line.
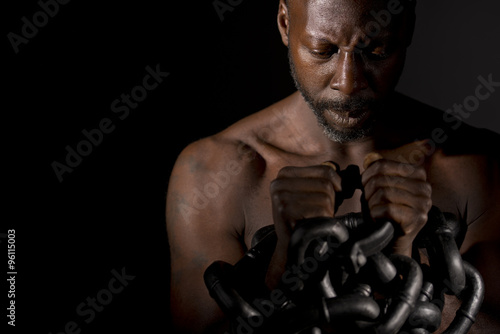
109	212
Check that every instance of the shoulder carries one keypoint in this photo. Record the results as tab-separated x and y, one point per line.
465	165
210	165
469	161
446	133
214	155
234	150
216	172
466	150
244	148
463	161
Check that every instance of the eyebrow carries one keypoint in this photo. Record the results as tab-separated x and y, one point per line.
383	36
319	38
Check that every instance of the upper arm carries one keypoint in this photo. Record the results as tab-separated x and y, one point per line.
482	210
482	243
204	223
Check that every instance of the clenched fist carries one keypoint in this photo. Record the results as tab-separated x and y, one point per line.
393	191
300	193
400	193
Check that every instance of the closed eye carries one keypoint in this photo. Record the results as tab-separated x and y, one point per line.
324	53
377	53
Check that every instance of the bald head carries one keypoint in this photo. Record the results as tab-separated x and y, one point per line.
382	12
405	3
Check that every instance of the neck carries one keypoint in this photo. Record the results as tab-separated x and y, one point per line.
389	132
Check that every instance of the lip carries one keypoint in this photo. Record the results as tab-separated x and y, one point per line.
348	119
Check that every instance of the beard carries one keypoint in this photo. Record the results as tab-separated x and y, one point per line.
354	116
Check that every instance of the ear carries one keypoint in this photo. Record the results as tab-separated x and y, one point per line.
283	22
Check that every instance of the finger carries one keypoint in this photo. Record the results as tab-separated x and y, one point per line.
293	206
322	171
331	164
303	187
416	187
371	158
399	196
408	221
393	168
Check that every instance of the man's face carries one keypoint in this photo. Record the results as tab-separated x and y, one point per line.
346	57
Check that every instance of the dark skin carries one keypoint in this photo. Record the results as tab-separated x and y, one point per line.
267	168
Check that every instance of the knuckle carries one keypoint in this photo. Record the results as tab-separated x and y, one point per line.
284	210
422	219
370	187
378	166
391	211
420	172
427	188
407	230
381	211
286	171
279	197
423	204
275	197
419	219
275	186
373	183
327	172
428	205
377	197
281	208
331	173
334	179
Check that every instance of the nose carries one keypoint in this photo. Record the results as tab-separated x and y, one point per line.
349	76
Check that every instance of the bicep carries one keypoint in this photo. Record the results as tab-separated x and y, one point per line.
192	251
201	229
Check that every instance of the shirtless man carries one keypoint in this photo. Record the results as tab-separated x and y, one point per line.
267	168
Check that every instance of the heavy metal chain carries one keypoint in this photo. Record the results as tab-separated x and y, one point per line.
340	279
